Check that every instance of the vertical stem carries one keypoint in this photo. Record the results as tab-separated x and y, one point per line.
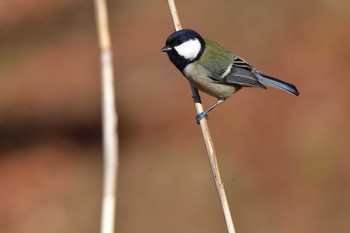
109	121
207	139
174	15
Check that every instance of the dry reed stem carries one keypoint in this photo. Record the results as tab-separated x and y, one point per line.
109	121
207	139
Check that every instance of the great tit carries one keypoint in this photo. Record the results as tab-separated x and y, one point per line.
214	70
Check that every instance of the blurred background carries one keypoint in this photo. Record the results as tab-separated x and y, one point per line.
284	159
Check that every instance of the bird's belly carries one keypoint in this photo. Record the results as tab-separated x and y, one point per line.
197	76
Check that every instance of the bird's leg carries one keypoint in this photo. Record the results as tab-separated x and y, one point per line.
201	115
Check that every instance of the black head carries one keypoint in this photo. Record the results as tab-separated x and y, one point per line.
183	47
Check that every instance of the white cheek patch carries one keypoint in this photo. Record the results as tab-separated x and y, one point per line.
189	49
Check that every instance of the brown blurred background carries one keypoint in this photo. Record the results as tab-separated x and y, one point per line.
284	159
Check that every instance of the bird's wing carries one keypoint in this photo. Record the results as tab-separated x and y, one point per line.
215	60
242	73
242	77
224	67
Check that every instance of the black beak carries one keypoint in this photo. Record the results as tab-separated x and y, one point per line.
166	49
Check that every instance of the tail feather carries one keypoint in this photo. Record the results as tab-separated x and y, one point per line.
276	83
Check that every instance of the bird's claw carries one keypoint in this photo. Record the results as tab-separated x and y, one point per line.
200	116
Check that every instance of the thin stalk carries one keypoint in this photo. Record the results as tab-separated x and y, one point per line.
109	121
207	139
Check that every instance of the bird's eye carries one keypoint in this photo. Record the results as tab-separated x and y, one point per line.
178	42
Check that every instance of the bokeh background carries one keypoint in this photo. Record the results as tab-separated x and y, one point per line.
284	159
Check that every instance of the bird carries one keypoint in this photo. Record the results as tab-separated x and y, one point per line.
214	70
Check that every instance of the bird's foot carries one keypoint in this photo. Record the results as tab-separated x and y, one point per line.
200	116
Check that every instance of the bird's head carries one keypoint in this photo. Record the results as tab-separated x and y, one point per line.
183	47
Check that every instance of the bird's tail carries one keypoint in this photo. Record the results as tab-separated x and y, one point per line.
276	83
